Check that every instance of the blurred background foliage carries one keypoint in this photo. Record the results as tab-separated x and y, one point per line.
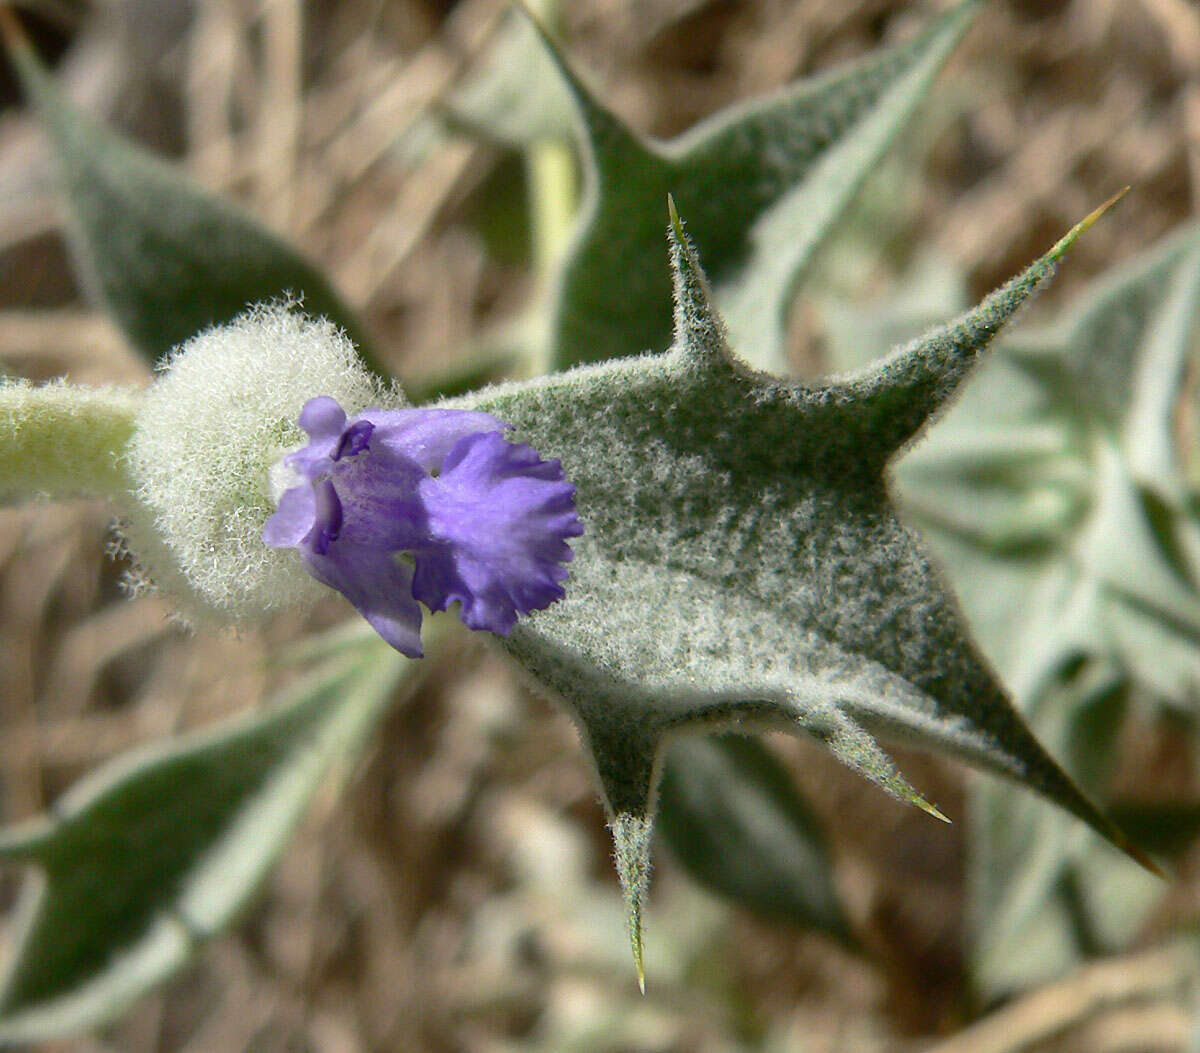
460	895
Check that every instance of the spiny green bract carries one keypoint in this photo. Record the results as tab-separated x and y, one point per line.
743	563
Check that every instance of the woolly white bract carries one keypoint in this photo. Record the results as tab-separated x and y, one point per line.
206	438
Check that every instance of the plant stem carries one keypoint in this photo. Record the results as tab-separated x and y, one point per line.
553	192
64	441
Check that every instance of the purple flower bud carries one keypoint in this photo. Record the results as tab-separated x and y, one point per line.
482	521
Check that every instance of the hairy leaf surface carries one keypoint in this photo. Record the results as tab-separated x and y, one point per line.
743	562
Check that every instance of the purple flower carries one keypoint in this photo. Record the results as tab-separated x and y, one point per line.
429	505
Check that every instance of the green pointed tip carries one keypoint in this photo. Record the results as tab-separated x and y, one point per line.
635	943
635	940
1068	239
673	216
631	839
1114	835
1141	858
683	252
935	811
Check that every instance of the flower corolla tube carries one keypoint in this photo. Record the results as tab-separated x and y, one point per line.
394	508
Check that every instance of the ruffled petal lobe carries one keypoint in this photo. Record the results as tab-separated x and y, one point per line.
399	506
499	517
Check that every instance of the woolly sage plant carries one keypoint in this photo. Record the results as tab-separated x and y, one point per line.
667	539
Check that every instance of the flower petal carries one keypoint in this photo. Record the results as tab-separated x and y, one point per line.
379	587
498	519
323	418
427	436
327	524
325	421
485	520
293	519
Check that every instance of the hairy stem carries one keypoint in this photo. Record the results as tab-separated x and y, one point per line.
64	441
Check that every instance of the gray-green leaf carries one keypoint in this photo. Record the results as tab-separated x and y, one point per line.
1041	897
165	257
743	562
154	853
1053	494
517	97
932	291
733	818
761	185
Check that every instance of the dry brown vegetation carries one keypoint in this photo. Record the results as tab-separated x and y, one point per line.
458	895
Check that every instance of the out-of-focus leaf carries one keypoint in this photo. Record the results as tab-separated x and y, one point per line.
931	292
517	97
761	184
742	562
156	852
499	210
1042	898
165	257
1161	827
1053	493
1053	496
733	818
